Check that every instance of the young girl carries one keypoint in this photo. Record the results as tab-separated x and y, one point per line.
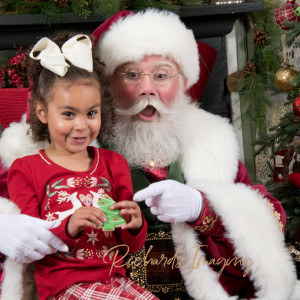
69	179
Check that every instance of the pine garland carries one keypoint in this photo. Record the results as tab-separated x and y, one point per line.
83	8
260	85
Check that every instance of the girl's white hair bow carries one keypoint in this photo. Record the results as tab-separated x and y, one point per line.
77	50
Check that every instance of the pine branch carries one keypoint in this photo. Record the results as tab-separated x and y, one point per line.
107	8
143	4
81	8
256	99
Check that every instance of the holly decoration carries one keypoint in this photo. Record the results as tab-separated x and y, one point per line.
286	13
12	74
113	218
284	77
296	106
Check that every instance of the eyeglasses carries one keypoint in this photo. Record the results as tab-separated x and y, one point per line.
159	77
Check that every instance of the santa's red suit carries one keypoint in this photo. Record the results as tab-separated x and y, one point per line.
240	223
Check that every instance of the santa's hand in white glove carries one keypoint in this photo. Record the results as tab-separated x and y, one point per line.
171	201
26	239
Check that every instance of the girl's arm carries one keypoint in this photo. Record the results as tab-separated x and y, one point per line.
26	238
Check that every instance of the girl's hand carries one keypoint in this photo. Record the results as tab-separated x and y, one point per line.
86	216
131	213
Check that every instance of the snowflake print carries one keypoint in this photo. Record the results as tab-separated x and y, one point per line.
50	216
92	237
63	196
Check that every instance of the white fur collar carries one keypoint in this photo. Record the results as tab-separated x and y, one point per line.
16	143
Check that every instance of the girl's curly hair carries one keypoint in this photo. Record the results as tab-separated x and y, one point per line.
42	82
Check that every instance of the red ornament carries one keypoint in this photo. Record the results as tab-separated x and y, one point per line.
296	106
286	12
295	179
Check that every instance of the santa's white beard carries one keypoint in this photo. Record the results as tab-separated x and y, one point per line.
140	142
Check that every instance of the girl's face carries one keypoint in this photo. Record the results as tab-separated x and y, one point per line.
73	117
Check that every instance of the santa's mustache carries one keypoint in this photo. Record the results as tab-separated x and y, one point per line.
141	104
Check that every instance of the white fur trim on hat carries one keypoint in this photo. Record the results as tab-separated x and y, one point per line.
151	32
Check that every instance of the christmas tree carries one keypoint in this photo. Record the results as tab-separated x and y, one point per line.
113	218
275	31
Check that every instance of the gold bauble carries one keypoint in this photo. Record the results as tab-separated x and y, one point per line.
283	78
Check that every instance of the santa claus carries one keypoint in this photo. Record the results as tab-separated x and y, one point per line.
205	218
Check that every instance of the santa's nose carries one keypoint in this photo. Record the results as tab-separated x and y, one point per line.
147	87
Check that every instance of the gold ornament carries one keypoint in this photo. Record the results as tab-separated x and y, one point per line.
284	77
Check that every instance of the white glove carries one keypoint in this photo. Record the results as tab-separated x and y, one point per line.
26	239
171	201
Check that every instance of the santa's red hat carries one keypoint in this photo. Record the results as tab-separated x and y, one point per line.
129	37
206	55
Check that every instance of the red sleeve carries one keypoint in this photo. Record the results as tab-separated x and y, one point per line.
21	188
3	181
22	192
208	221
124	191
61	232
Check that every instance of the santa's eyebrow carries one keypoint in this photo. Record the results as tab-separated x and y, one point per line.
165	63
162	63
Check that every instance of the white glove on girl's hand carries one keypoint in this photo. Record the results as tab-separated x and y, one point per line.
171	201
26	239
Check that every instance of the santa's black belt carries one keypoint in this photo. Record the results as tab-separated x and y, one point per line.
156	266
